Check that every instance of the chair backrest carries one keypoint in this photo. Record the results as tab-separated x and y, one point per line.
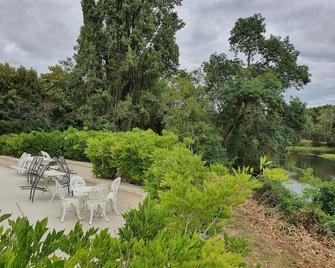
63	165
31	168
116	184
22	155
98	192
76	181
21	160
45	154
24	160
60	190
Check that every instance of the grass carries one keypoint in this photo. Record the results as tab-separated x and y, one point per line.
310	148
328	156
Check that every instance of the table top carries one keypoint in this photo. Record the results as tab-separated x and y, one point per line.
53	173
83	189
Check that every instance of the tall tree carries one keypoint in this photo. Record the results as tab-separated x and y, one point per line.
187	113
124	47
248	90
21	100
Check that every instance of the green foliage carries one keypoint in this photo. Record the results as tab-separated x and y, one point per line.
328	156
250	109
71	143
320	125
122	52
174	165
145	222
187	114
130	153
298	210
278	174
274	194
326	198
31	102
202	207
237	245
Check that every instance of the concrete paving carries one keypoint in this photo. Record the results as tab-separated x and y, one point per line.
13	199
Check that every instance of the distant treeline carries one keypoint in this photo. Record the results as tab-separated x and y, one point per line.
320	125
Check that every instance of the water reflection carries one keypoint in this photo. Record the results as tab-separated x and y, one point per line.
323	168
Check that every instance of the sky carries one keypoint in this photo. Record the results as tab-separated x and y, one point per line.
38	33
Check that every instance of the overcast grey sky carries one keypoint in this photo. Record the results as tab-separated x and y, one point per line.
37	33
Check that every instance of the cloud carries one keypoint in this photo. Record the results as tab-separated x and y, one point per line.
307	22
38	33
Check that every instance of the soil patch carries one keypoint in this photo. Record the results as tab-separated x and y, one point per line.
275	243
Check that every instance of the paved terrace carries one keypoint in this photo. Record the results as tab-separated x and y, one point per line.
12	197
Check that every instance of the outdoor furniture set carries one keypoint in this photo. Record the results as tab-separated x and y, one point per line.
53	175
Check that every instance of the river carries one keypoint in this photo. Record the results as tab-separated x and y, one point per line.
323	168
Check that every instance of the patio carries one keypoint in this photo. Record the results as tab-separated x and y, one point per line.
13	199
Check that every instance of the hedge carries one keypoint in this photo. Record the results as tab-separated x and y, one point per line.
71	143
129	153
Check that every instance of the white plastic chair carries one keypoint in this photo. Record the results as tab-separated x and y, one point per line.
75	183
67	202
112	196
97	200
21	166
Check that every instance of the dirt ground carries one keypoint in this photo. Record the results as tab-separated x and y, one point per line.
274	243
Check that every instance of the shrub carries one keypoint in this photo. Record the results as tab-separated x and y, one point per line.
171	165
274	194
130	153
297	210
144	223
71	143
75	143
325	197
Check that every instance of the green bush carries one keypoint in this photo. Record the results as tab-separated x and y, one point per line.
298	210
130	153
145	222
274	194
170	165
325	197
70	143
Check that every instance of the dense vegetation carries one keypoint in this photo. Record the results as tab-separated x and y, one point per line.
320	125
178	225
128	153
122	103
230	110
314	209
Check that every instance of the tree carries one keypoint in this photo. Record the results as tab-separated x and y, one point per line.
187	113
248	91
21	100
123	49
321	124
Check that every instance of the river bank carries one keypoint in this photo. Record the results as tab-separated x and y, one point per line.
275	243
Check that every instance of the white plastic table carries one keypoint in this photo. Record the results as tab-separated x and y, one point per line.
82	190
53	173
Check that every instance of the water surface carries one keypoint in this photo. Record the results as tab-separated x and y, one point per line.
323	168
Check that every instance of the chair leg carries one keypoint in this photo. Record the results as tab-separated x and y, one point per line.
77	211
33	193
52	196
115	208
63	213
91	215
103	208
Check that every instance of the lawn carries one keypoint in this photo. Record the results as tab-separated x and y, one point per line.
310	148
328	156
